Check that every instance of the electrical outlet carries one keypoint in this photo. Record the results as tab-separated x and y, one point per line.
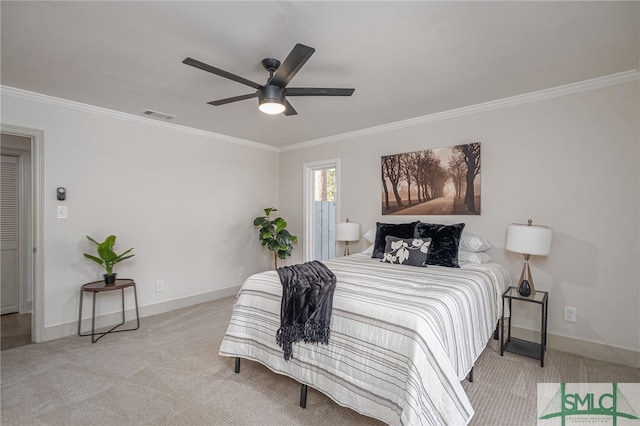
570	314
159	286
241	271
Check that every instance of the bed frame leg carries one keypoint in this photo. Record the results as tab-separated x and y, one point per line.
496	333
303	396
471	375
237	366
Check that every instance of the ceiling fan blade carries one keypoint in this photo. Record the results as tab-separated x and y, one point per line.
289	110
317	91
289	68
233	99
221	73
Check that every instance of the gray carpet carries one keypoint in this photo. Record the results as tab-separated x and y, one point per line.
169	373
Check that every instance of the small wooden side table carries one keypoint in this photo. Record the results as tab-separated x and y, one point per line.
96	287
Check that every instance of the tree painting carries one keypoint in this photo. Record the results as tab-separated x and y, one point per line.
437	181
392	170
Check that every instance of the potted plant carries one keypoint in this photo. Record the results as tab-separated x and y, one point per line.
107	257
274	235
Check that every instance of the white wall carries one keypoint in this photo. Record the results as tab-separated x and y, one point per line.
571	162
185	202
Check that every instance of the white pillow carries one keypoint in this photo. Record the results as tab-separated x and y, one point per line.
370	235
472	257
368	250
473	243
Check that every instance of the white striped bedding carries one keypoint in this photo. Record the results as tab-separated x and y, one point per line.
402	338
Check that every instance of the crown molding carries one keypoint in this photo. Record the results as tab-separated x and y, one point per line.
104	112
554	92
567	89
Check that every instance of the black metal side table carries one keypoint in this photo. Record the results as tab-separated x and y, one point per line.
96	287
519	346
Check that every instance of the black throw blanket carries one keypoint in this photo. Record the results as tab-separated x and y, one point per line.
305	311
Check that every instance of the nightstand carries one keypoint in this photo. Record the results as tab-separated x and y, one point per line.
519	346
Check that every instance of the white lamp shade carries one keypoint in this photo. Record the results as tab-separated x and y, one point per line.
529	239
347	231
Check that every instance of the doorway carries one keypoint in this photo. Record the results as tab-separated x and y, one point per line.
22	281
321	182
15	291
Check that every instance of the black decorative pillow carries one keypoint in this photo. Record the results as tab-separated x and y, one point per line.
445	240
409	251
400	230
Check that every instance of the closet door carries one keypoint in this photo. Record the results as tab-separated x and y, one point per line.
9	227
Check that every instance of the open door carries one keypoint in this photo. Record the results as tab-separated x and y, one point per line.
9	235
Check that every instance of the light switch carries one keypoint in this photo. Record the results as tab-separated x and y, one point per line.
62	212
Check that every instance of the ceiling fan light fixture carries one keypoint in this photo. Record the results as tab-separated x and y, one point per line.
271	107
272	96
271	99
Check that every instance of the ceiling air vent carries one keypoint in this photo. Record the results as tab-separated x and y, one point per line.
157	114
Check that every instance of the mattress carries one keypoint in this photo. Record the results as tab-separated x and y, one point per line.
402	338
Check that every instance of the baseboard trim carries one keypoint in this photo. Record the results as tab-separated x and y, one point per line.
580	347
71	328
558	342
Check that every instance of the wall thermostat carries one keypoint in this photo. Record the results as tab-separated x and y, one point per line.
61	193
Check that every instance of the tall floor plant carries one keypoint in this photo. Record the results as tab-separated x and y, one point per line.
274	235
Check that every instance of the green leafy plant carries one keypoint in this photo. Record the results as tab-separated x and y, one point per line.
274	235
106	256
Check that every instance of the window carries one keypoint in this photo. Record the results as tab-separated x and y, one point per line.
320	209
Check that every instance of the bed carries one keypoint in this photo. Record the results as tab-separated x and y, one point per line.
402	337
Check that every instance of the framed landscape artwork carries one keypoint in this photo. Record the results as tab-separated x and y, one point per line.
437	181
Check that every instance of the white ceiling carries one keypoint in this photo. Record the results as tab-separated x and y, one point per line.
405	59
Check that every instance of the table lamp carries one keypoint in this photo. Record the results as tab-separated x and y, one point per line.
529	240
347	231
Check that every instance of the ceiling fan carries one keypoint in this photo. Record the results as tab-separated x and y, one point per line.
272	96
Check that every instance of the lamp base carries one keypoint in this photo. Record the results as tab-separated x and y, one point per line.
346	248
526	288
